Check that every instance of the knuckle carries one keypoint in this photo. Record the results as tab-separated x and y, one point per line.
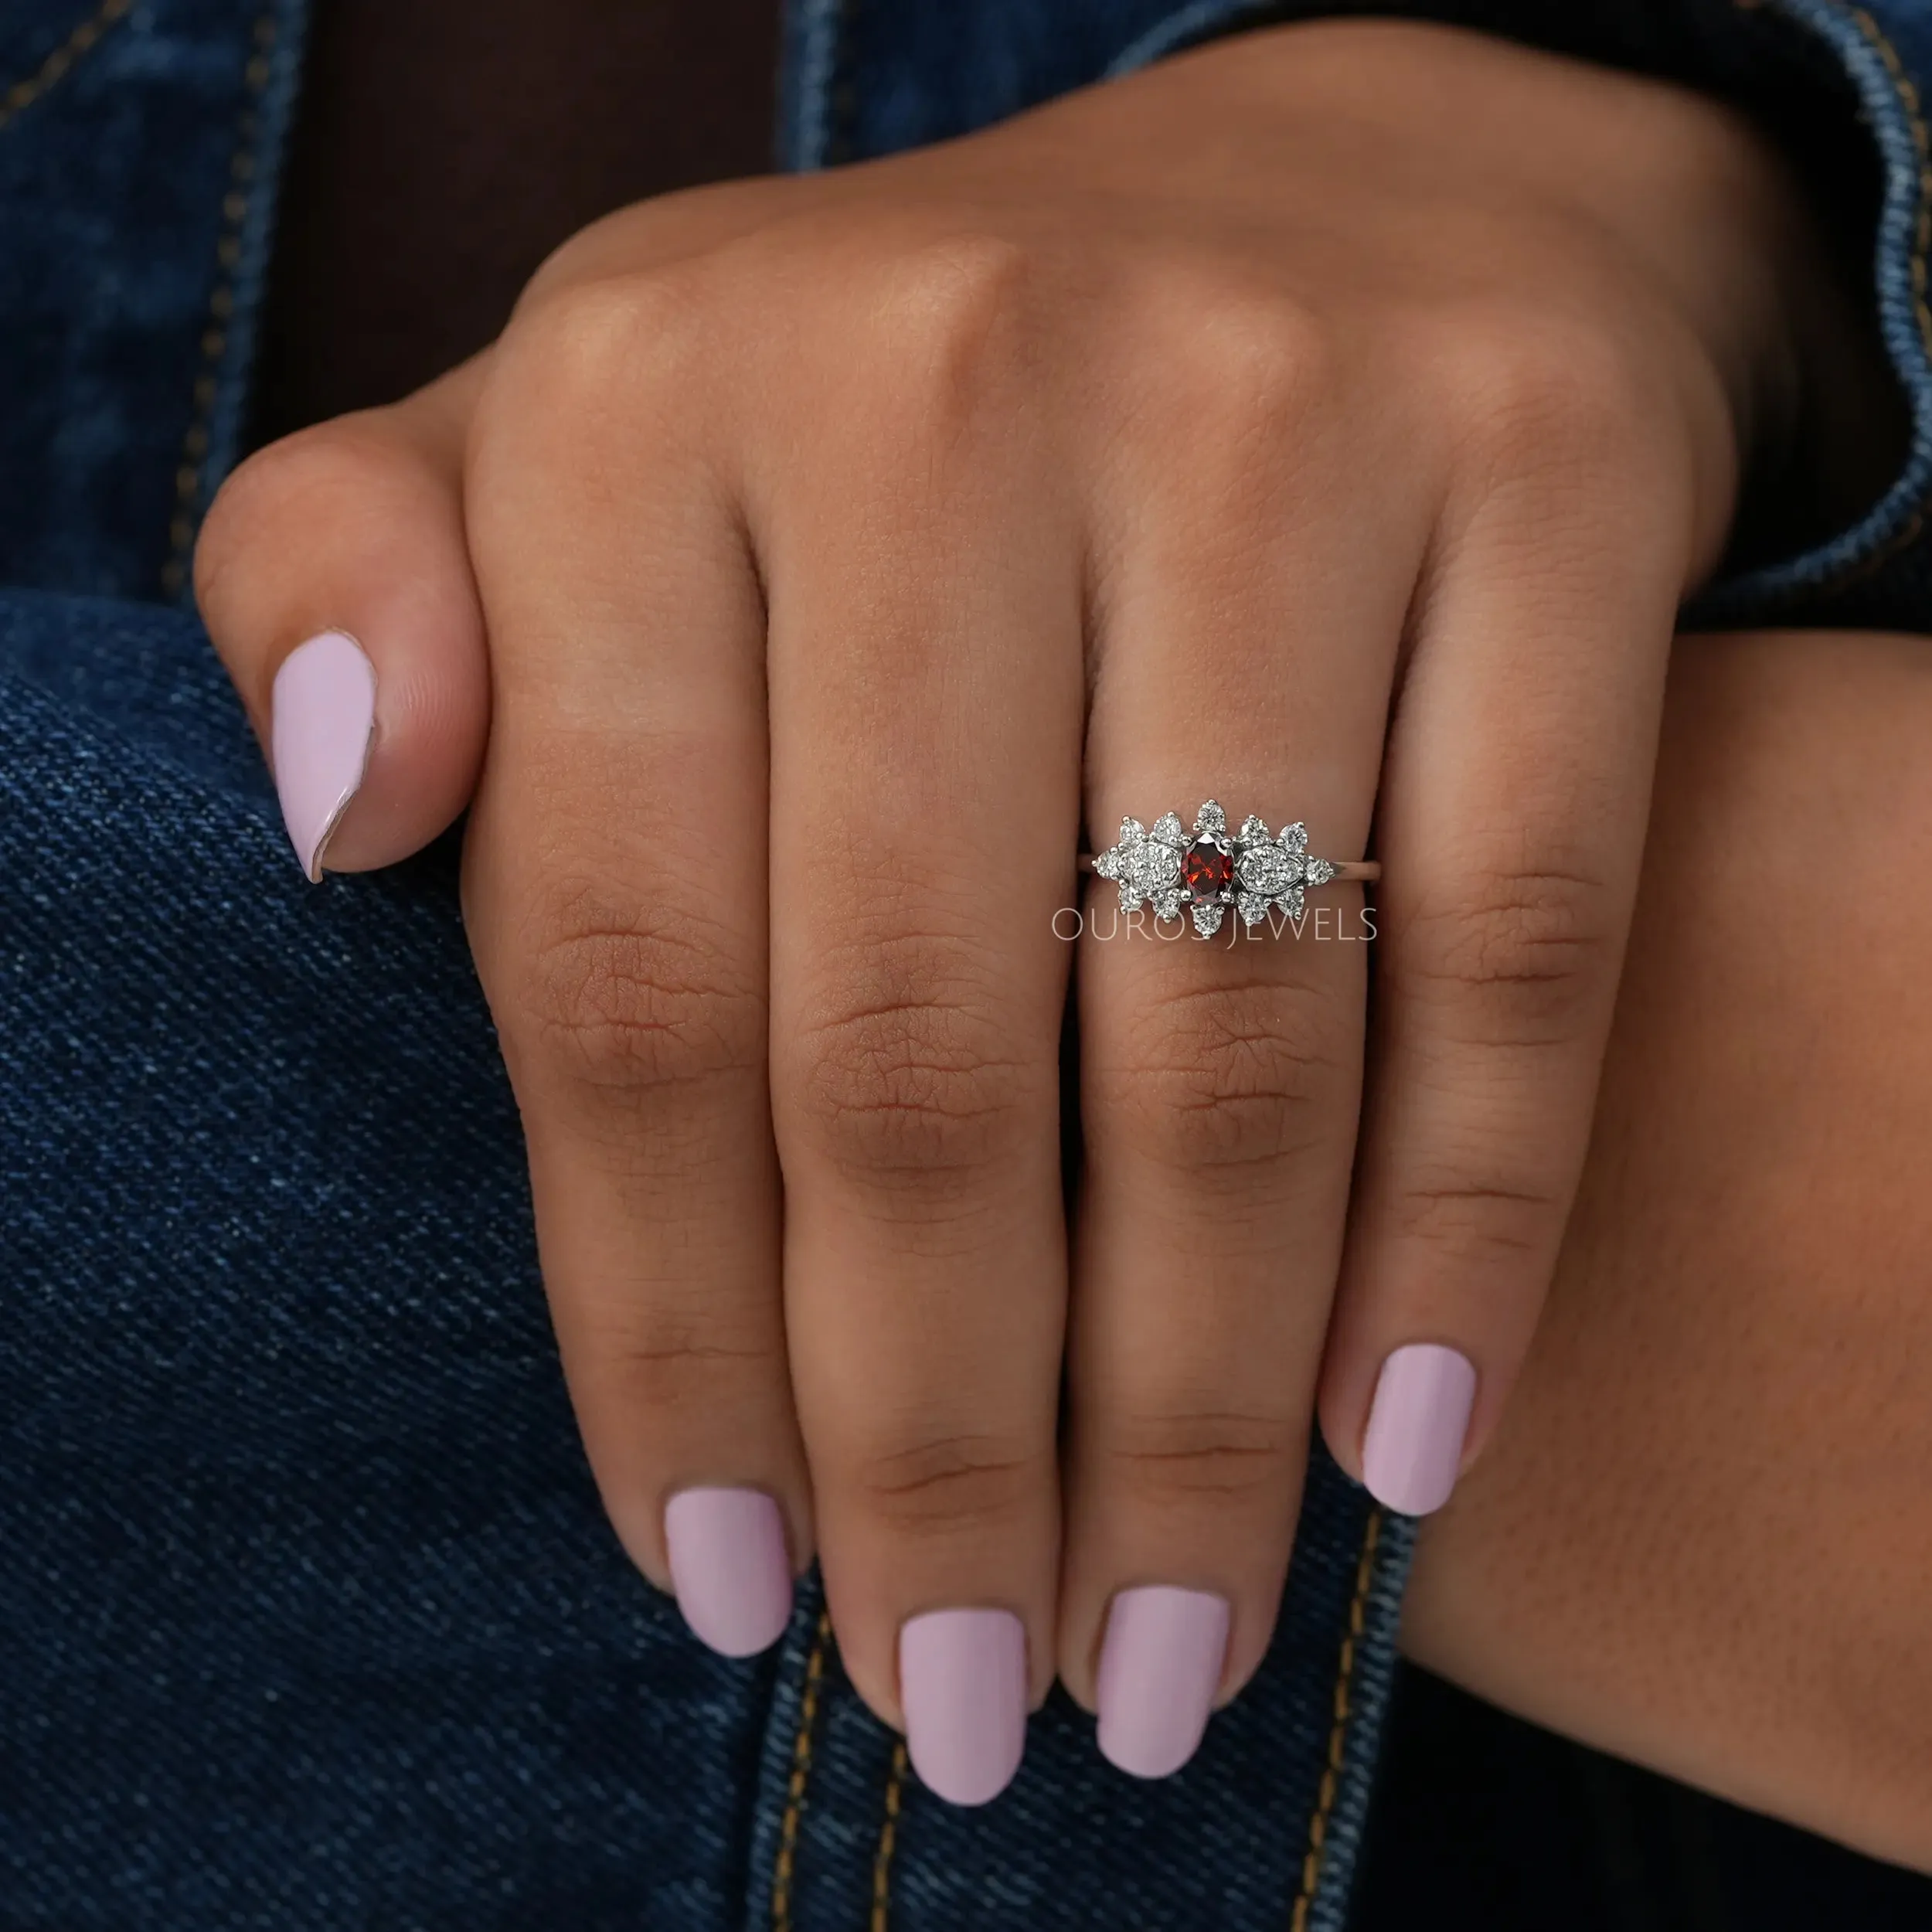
905	1076
671	1362
1483	1224
318	475
594	352
947	322
1242	371
1262	361
1184	1454
1521	957
1224	1078
1535	388
630	1002
946	1483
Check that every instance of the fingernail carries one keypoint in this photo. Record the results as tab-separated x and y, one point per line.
1160	1668
1417	1424
729	1567
322	720
962	1677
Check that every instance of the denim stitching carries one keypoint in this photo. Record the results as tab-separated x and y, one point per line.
1889	98
1168	35
1913	527
1338	1729
241	170
781	1873
1921	233
888	1842
63	61
819	130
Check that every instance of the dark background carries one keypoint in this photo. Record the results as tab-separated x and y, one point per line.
1482	1823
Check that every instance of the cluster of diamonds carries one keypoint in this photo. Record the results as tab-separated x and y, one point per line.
1251	870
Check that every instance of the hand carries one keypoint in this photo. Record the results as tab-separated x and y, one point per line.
1701	1539
1333	384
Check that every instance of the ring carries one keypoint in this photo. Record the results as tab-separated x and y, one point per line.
1251	870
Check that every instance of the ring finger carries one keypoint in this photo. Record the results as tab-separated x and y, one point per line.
1220	1081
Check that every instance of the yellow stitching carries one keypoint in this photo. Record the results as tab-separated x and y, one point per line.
882	1863
1338	1729
800	1772
63	61
189	477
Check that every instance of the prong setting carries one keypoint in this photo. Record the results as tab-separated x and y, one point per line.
1200	875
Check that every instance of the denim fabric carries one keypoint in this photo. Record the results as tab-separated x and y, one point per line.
136	176
310	1617
1259	1831
309	1614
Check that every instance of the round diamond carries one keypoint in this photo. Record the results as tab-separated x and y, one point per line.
1160	865
1267	868
1207	868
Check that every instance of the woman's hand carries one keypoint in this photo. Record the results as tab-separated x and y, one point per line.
841	544
1701	1538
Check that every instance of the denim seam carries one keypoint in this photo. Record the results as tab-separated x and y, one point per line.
783	1866
822	128
882	1866
1338	1728
192	477
63	61
1896	120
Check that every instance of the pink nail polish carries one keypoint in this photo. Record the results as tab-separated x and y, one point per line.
730	1568
1417	1424
1160	1668
322	718
962	1679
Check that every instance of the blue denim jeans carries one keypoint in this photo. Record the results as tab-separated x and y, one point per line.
309	1614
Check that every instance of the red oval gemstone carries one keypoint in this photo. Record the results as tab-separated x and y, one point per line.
1205	868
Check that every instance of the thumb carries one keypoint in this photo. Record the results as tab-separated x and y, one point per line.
333	575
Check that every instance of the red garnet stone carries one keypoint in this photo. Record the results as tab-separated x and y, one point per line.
1206	869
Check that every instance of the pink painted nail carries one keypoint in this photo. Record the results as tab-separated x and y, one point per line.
1160	1668
729	1567
321	721
1417	1425
962	1677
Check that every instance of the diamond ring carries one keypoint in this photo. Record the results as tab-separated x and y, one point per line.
1252	870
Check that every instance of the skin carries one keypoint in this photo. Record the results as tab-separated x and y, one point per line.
1700	1538
1330	421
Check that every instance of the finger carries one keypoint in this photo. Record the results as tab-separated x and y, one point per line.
1244	654
926	693
1511	825
334	577
615	897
